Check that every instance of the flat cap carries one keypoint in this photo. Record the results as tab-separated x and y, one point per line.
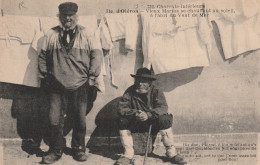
68	8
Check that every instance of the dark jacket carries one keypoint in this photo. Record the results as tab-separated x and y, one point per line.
154	103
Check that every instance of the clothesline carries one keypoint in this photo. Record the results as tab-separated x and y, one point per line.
168	44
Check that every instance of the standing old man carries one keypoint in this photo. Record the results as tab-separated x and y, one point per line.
69	63
143	105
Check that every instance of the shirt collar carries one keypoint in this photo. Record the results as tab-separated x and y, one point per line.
62	29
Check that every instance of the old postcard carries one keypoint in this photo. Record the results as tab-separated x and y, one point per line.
130	82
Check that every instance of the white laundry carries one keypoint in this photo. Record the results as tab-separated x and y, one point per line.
243	9
237	38
116	24
169	45
18	60
18	63
124	25
239	31
133	26
46	23
89	22
100	84
21	28
256	26
38	40
105	38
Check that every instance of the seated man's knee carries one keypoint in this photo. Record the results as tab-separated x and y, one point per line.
165	121
123	123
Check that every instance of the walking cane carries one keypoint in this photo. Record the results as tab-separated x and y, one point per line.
147	143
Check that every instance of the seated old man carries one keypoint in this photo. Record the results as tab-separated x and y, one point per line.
143	105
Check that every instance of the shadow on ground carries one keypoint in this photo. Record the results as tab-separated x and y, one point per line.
103	140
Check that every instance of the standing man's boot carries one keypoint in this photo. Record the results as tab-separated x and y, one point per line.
127	142
32	147
56	146
52	156
171	153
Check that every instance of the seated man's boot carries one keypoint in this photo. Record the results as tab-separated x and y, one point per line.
52	156
80	156
171	153
124	161
178	159
127	142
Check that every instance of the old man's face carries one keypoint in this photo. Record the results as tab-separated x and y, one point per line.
142	85
68	21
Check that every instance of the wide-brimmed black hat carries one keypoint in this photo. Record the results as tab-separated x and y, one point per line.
144	73
68	8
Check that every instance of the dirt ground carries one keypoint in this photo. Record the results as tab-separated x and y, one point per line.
227	155
14	155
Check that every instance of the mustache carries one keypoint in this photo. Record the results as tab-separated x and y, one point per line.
141	90
67	20
141	86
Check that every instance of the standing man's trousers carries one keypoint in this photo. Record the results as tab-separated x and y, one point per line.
62	102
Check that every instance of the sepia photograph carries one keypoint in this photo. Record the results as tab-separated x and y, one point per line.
130	82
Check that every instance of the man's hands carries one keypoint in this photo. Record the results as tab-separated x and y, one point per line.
141	115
